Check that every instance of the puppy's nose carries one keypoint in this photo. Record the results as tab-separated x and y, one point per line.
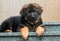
33	15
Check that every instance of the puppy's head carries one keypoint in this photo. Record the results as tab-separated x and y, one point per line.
31	12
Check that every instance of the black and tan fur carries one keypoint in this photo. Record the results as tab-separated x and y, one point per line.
30	20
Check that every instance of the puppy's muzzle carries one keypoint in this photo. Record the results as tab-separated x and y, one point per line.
32	16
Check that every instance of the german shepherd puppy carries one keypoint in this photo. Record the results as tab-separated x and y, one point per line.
30	20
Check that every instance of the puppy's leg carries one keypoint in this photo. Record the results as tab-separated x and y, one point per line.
39	30
24	32
8	30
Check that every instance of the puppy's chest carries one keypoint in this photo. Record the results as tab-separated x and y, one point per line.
31	26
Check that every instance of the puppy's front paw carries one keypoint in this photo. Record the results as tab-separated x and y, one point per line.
39	30
24	32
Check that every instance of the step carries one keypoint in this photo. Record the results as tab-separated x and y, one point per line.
52	33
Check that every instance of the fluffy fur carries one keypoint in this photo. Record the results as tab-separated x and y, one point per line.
30	20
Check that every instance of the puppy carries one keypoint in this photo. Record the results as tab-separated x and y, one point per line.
31	20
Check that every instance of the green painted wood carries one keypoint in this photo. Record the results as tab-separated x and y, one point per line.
52	33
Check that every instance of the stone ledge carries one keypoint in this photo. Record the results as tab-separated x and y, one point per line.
30	33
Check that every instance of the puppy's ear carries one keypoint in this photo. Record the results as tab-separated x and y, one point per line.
38	7
24	9
41	10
